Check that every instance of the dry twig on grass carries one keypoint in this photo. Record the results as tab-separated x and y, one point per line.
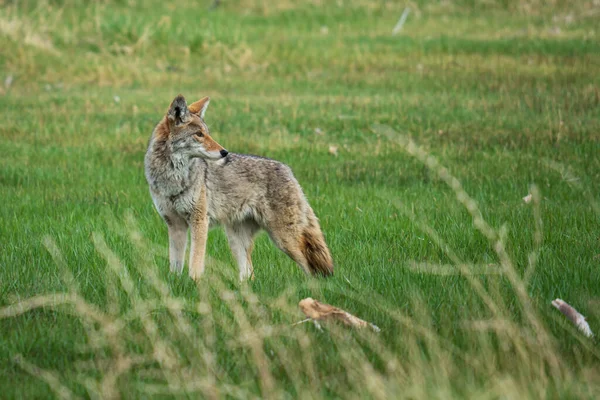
573	315
317	311
401	21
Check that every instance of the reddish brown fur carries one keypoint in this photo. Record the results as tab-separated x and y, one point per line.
162	129
209	143
197	106
313	247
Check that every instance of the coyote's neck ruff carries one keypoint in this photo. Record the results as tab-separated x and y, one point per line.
195	182
168	172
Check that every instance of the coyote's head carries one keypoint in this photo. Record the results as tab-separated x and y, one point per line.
188	133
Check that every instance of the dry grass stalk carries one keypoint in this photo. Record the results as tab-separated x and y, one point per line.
318	311
574	316
400	24
497	240
50	377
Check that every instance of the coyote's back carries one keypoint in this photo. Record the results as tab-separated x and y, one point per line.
247	189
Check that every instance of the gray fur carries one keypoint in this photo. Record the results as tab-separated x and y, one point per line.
243	193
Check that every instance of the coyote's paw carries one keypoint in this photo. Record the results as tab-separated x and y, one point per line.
246	276
196	273
177	267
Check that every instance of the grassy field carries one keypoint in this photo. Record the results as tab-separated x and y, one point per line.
439	132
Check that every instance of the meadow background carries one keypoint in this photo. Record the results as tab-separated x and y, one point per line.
415	150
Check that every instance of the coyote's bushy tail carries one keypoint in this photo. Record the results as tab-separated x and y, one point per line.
315	250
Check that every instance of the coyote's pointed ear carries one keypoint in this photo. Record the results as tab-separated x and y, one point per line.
178	112
199	107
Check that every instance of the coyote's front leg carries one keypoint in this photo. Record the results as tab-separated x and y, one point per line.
177	241
199	230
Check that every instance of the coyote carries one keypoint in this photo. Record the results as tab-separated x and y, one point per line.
195	183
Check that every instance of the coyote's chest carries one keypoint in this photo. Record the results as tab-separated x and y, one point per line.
179	204
176	192
183	205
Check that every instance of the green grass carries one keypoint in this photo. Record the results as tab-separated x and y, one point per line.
505	95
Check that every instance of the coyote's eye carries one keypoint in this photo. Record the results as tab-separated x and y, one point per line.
199	134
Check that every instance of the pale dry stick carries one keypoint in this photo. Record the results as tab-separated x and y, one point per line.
590	346
161	351
537	235
400	24
302	322
200	351
574	316
52	380
495	239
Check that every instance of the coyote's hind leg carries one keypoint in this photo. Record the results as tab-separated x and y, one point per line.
241	242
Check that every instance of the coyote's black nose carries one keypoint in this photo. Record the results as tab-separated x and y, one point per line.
224	153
